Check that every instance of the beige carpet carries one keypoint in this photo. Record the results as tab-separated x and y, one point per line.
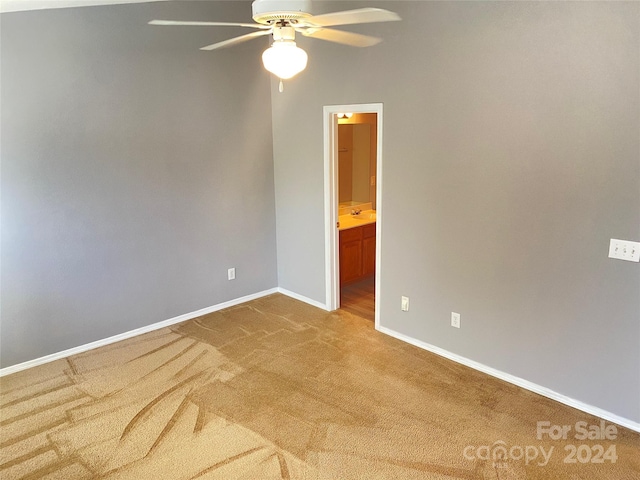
277	389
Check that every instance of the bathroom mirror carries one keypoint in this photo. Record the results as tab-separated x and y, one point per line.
357	160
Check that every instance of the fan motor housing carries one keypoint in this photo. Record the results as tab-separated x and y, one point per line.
270	11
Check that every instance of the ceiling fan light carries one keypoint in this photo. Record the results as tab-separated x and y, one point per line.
284	59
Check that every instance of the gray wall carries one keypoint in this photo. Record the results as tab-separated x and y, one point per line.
136	170
511	157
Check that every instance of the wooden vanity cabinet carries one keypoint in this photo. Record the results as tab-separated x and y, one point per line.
357	253
368	250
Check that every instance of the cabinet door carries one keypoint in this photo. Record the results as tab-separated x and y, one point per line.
369	250
350	261
368	256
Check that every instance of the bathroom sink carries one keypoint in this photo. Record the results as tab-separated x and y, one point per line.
364	216
350	221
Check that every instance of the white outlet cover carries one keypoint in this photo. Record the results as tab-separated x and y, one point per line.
455	319
624	250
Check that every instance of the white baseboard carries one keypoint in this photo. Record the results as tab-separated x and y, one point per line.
132	333
546	392
302	298
527	385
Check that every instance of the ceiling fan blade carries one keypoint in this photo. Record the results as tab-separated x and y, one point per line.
236	40
339	36
208	24
349	17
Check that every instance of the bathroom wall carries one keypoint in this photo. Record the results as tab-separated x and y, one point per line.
345	163
371	120
362	162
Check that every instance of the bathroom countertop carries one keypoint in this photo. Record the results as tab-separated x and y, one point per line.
351	221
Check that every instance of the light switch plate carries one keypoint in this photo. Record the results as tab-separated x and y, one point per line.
404	306
624	250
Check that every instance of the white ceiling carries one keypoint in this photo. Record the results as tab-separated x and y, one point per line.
21	5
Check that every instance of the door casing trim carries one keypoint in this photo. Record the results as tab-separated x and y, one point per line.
332	267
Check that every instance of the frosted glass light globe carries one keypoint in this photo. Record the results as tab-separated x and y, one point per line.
284	59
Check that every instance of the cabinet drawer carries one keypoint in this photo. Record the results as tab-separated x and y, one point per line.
369	230
351	234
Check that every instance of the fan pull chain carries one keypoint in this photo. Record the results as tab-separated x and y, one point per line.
281	87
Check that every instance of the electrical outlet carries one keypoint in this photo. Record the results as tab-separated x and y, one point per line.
405	304
455	319
624	250
231	274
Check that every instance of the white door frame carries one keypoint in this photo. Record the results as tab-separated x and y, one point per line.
332	261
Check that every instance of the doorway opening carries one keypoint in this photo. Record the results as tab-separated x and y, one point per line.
353	201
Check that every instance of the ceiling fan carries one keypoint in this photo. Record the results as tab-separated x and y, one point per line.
283	18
